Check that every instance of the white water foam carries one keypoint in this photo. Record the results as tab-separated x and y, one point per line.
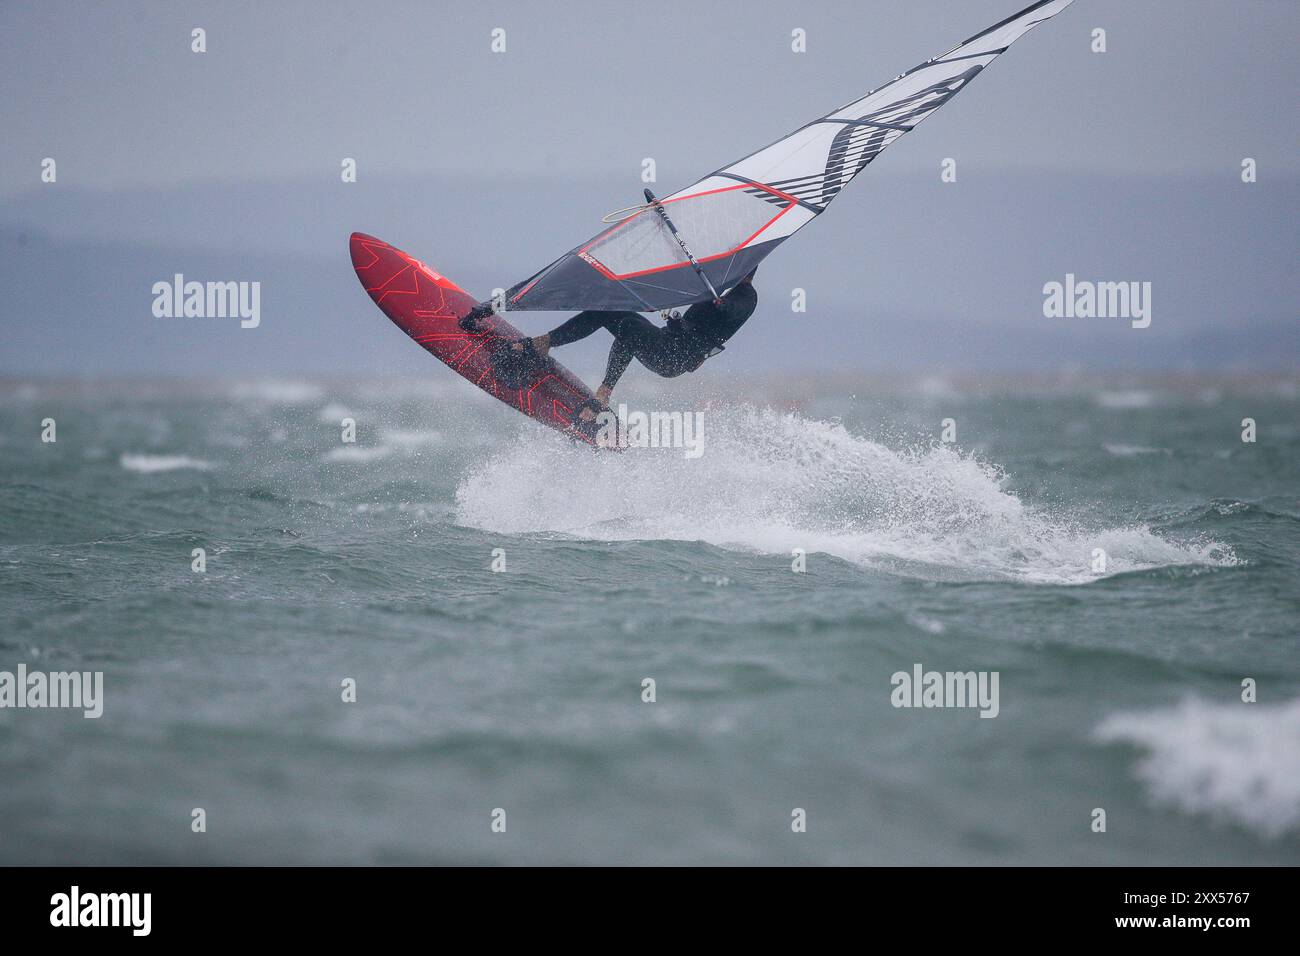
357	454
1232	761
334	412
407	438
771	482
150	464
1132	451
392	442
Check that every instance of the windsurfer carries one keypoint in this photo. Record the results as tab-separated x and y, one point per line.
679	346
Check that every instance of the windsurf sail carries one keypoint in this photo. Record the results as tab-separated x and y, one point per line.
734	217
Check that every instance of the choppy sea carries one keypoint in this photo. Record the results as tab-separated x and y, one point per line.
1124	562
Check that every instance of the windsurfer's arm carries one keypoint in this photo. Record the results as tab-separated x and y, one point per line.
620	356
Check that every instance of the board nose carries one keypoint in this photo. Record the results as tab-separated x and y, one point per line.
362	249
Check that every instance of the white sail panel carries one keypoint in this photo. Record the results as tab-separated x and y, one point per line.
719	221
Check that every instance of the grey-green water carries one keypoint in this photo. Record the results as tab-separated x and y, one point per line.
1119	688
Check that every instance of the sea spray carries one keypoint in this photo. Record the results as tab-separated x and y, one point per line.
773	481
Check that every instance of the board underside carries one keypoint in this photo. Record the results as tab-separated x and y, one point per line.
427	306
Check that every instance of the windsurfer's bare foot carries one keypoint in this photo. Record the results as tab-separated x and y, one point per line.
541	344
472	321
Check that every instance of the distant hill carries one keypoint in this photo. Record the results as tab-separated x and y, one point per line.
903	273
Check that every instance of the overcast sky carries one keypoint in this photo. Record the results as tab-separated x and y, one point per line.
112	91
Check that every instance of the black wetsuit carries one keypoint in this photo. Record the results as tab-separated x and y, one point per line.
680	346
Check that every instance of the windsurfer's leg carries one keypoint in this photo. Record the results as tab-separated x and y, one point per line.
630	325
580	326
654	346
633	329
